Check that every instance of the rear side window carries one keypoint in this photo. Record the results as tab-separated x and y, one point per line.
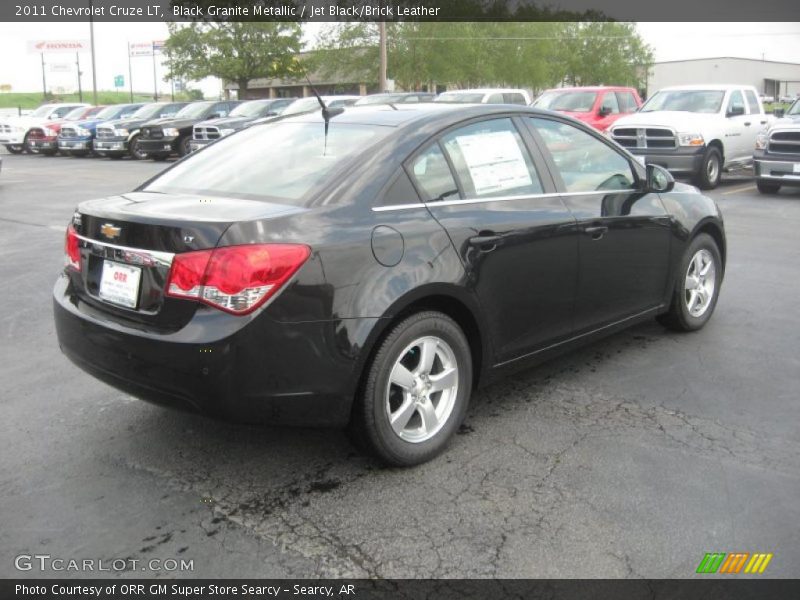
514	98
433	175
490	159
627	103
585	163
752	102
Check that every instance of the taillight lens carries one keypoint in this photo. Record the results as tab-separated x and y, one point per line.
72	251
236	279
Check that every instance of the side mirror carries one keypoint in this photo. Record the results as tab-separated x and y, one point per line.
659	179
779	112
735	111
604	111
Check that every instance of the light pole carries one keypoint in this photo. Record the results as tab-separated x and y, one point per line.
382	33
91	43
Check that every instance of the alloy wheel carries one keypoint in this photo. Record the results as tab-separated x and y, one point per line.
700	282
422	389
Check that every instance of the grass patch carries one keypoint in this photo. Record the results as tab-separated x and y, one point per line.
30	100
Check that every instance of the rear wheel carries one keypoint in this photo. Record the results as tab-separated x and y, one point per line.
697	286
26	144
416	392
15	148
766	187
710	169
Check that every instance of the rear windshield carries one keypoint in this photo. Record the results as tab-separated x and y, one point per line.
277	162
460	98
566	101
696	101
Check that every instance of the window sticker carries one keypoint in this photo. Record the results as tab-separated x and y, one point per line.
495	161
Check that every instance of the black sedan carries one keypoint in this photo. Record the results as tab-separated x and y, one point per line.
370	266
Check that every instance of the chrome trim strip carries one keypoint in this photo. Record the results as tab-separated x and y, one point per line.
460	201
164	258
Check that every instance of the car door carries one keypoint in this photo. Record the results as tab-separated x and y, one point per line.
739	143
624	233
513	233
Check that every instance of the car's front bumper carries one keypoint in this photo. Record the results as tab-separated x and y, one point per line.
243	369
75	145
118	144
43	144
678	160
785	171
162	146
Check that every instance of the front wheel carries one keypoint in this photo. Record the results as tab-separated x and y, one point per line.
135	149
765	187
710	169
184	146
417	390
697	286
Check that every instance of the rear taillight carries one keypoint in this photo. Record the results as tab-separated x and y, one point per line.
236	279
72	251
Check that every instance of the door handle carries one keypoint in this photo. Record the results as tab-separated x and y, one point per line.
484	240
597	231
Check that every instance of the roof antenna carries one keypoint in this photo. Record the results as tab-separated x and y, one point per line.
327	113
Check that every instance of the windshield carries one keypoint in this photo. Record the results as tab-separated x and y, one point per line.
695	101
76	113
250	109
110	112
148	111
460	98
302	105
42	111
794	109
191	111
566	101
277	161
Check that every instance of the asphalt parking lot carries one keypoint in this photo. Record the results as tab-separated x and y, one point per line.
630	458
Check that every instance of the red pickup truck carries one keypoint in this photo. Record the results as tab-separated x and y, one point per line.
597	106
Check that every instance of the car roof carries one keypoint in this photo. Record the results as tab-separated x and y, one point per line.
485	91
589	88
401	115
709	86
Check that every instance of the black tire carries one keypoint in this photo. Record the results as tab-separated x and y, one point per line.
183	146
26	147
679	317
135	149
15	148
767	187
710	172
370	425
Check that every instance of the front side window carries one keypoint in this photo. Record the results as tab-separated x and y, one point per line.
193	111
490	159
736	102
610	102
627	103
585	163
752	102
273	162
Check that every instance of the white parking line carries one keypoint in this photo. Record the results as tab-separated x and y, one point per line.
747	188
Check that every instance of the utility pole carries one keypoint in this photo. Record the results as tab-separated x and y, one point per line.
44	79
155	79
382	32
130	71
91	43
78	65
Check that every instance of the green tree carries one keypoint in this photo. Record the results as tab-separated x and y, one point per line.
233	51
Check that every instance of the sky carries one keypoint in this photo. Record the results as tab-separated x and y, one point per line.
671	41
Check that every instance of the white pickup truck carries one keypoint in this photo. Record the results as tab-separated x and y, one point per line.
695	130
14	130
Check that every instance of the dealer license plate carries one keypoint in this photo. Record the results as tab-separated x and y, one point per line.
119	284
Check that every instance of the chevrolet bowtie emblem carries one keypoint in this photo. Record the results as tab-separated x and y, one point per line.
110	231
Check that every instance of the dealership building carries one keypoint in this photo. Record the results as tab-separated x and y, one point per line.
769	77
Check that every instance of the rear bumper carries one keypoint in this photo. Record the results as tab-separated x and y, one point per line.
678	160
162	146
785	172
247	370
